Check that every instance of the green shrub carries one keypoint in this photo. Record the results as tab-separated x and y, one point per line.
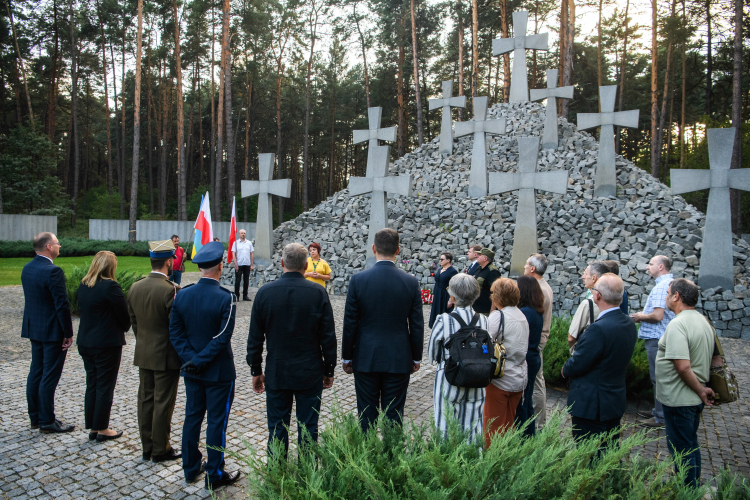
73	281
556	353
75	247
417	462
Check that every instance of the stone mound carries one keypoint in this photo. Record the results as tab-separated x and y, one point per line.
574	229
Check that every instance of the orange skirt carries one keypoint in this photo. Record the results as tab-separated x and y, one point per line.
499	411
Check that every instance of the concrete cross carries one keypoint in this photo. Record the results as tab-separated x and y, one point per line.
380	184
526	180
717	265
519	85
264	188
605	182
373	134
446	125
479	126
551	93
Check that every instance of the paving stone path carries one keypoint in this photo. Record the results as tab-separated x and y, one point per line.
34	465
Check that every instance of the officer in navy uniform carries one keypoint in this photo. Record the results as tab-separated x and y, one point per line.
201	331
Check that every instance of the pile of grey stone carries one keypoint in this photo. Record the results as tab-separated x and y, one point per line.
644	219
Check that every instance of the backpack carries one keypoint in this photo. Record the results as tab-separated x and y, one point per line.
471	361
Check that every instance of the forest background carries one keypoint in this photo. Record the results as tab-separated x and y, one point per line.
96	95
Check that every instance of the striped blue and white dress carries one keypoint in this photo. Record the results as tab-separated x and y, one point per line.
465	403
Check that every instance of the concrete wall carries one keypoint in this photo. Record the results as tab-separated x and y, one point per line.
151	230
25	227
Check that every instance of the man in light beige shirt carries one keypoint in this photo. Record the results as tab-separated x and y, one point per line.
536	265
582	317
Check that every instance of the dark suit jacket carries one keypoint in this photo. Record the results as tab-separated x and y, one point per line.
598	367
104	315
201	330
294	316
46	310
150	306
383	320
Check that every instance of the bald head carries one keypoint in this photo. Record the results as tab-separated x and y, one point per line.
610	288
659	265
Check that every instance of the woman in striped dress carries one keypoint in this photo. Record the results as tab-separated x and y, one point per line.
466	404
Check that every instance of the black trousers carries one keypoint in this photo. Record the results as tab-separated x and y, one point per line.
279	409
380	391
584	428
102	364
47	361
242	272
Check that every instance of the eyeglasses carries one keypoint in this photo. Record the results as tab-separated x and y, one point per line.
595	290
443	258
55	243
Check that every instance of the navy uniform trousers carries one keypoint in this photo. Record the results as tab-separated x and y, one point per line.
47	361
215	398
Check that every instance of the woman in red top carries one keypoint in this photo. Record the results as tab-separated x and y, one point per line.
179	261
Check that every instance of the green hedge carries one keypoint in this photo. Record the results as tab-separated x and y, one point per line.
416	462
556	353
73	281
76	247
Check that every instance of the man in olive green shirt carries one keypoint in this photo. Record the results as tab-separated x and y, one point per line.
683	363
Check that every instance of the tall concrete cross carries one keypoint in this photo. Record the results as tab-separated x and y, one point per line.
373	134
264	188
446	125
526	181
479	126
519	85
717	265
551	93
380	184
605	182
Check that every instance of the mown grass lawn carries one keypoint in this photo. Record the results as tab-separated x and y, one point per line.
10	269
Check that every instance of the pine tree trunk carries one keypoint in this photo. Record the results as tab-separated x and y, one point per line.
415	56
279	159
150	145
181	177
709	59
249	97
136	127
122	129
401	142
110	172
622	76
460	56
654	93
665	97
569	49
118	146
219	174
474	49
313	31
74	113
504	28
364	55
227	57
333	132
212	166
682	112
20	63
599	50
164	140
53	82
736	199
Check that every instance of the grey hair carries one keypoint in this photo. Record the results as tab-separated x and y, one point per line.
41	240
598	268
539	262
464	288
295	257
610	287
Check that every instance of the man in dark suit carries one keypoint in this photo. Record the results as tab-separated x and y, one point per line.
150	305
294	315
383	332
472	254
48	325
599	364
201	331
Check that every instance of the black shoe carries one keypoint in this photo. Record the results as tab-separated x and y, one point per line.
56	426
92	435
645	414
200	471
170	455
246	298
100	438
34	426
146	455
227	479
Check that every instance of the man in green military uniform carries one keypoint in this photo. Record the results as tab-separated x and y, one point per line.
486	276
150	306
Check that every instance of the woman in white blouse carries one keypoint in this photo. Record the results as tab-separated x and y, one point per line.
507	324
464	403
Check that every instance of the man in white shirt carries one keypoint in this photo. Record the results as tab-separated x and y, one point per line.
243	255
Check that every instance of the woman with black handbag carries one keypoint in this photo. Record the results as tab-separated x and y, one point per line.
101	335
531	304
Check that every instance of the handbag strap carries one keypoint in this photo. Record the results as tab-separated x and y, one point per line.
501	328
591	311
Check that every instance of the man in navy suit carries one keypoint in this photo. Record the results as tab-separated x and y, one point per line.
599	364
383	332
472	254
201	330
294	316
48	325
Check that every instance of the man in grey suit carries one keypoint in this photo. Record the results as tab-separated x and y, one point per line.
383	332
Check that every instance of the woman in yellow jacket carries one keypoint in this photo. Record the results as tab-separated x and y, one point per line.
318	270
